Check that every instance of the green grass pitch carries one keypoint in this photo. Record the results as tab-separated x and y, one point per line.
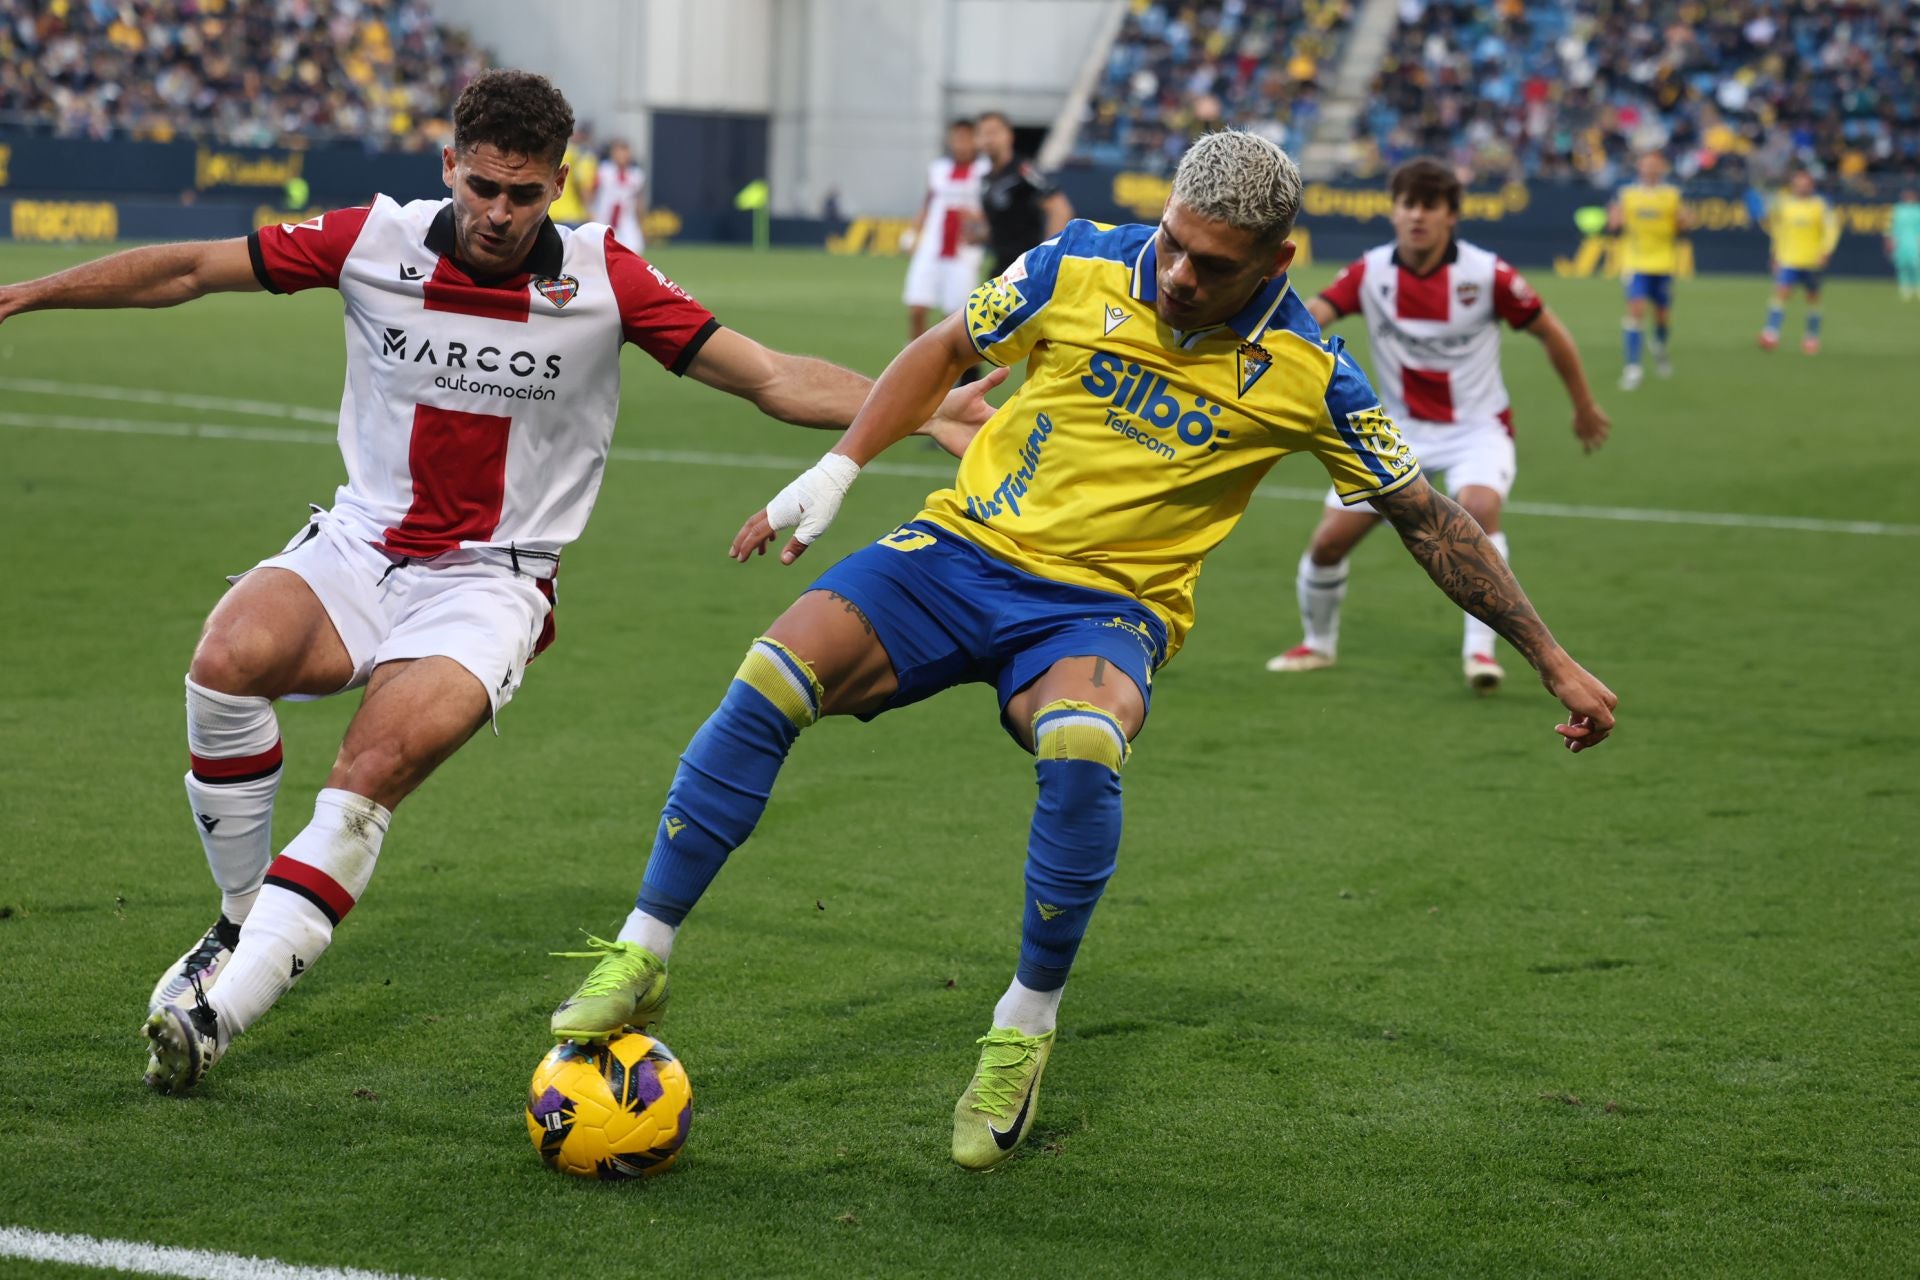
1386	984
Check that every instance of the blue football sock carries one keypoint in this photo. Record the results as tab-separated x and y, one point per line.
1632	331
1813	324
1078	751
1776	316
725	776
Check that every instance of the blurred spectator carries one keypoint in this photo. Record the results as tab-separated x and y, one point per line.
1735	89
234	72
1180	69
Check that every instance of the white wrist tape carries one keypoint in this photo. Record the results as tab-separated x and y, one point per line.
809	504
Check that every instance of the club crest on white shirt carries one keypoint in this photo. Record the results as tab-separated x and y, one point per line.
559	290
1468	291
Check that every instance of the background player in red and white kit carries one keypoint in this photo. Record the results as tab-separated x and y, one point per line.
620	195
1433	305
483	381
946	236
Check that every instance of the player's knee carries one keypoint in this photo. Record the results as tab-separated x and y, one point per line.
386	771
784	679
238	660
1070	730
1331	544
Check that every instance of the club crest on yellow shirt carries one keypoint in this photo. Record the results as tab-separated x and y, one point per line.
1251	361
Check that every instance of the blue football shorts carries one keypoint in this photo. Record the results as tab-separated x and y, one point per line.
950	613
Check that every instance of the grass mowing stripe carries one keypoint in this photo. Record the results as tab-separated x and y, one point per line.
141	1258
931	471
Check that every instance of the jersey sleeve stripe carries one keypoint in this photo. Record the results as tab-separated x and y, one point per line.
260	263
684	361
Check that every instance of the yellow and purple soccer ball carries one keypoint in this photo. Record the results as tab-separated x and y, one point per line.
615	1110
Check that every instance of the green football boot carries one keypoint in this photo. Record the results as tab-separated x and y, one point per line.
1000	1103
628	988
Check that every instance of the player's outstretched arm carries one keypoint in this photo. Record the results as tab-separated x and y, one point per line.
817	393
1591	424
912	387
161	275
1451	547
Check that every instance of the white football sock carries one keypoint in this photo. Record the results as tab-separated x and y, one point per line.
1030	1012
233	748
1480	637
309	889
655	934
1321	588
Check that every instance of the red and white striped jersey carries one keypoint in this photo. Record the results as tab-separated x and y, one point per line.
616	193
1436	341
478	412
953	196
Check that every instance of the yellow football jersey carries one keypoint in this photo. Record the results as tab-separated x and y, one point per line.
1804	229
1132	449
1650	229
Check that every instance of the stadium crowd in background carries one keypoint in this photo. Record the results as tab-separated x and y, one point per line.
281	72
1181	69
1734	89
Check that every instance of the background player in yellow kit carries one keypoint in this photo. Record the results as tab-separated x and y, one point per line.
1650	219
1805	230
1168	369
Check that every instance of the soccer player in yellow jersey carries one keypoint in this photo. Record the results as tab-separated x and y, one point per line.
1805	230
1168	368
1650	219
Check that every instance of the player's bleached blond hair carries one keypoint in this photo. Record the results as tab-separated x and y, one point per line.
1240	179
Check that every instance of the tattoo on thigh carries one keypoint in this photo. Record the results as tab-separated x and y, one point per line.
1099	673
853	609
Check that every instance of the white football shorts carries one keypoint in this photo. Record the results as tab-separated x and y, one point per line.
461	605
942	284
1466	455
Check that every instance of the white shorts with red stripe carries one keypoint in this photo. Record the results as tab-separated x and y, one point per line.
463	605
1465	453
942	283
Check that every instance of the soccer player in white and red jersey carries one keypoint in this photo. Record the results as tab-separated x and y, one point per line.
1434	305
620	195
483	380
947	247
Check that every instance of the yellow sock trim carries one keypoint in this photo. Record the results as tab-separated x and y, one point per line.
1079	731
777	674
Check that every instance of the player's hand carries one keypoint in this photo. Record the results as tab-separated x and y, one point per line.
807	506
963	413
1589	704
908	238
13	299
1591	426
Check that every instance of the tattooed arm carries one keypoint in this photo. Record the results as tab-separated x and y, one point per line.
1451	547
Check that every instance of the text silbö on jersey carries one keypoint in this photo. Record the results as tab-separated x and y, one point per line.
1137	392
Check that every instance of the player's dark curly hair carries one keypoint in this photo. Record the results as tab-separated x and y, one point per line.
1426	181
518	112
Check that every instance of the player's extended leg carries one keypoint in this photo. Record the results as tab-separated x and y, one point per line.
916	322
1630	330
1320	584
1077	720
821	657
1662	355
269	636
416	713
1906	268
1476	650
1776	315
1810	343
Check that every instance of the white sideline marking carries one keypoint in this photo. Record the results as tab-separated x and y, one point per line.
146	1259
792	466
173	400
